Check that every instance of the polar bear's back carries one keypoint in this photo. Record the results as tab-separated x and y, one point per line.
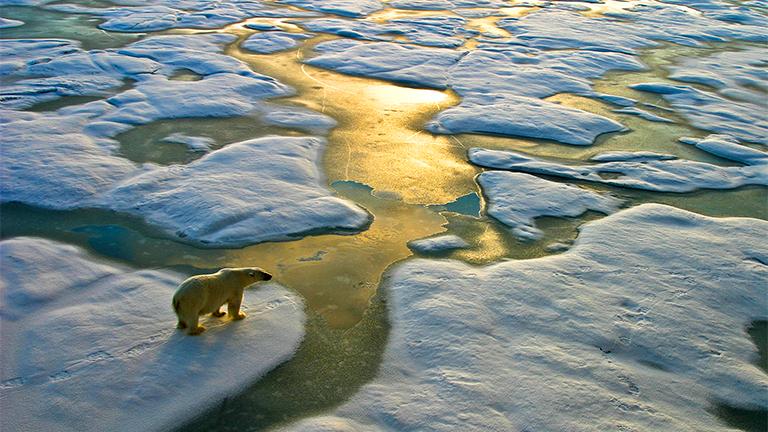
204	292
192	290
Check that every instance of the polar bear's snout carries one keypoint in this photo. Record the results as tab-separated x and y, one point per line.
260	275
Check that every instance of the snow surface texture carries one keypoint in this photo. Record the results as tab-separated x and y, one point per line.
514	107
516	199
194	143
156	15
275	180
709	111
533	118
638	327
552	51
270	42
442	243
436	31
660	174
257	190
95	345
9	23
347	8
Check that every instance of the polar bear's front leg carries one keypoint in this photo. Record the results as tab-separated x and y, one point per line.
233	306
194	329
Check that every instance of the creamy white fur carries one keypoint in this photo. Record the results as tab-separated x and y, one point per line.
203	294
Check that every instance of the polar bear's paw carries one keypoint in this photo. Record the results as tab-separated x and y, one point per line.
199	329
218	314
239	316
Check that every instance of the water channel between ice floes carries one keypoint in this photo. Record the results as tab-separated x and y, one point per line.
415	184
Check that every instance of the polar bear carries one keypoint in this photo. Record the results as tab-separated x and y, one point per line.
204	294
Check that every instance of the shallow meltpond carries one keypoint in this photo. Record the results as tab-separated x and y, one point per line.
82	28
180	141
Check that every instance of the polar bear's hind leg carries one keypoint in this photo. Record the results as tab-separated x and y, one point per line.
217	313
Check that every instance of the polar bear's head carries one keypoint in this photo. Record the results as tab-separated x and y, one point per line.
249	275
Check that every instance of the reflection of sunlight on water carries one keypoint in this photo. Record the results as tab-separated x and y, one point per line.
388	14
281	23
518	11
336	274
610	6
488	25
390	95
379	140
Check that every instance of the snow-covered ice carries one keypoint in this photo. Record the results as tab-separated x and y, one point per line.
9	23
516	199
274	41
441	243
639	326
513	108
194	143
74	147
709	111
49	161
726	147
436	31
660	174
643	114
523	117
274	181
347	8
553	50
390	61
95	345
157	15
262	189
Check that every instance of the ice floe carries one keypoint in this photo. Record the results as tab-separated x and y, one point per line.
441	243
262	189
516	199
95	345
390	61
737	105
436	31
49	161
643	114
270	42
552	51
194	143
257	190
9	23
348	8
156	15
74	148
654	174
524	117
744	70
643	25
640	326
727	147
518	77
712	112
